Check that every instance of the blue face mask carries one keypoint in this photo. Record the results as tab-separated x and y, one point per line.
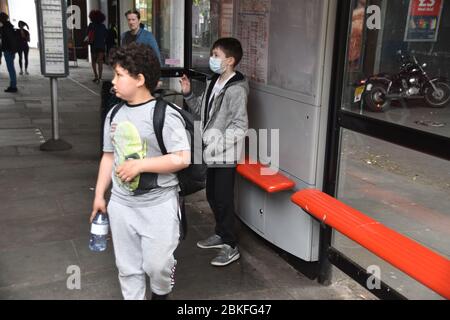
215	64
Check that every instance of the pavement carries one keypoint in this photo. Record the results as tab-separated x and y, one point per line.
46	200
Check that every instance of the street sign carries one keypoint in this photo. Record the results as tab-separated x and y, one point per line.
54	59
52	37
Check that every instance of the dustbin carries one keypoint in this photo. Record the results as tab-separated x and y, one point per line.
108	100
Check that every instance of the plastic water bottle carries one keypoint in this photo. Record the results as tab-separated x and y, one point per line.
99	232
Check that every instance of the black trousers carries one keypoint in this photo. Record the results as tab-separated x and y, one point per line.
23	51
220	195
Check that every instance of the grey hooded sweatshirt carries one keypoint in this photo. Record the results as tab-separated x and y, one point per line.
224	130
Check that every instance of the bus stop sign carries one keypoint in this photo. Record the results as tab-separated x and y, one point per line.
53	37
54	59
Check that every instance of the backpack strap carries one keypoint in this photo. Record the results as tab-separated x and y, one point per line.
159	115
114	111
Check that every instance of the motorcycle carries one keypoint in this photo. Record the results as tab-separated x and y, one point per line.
412	82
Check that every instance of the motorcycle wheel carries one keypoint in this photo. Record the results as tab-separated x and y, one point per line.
437	98
376	99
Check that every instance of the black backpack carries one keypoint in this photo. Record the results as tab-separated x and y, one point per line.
10	42
17	39
108	101
192	178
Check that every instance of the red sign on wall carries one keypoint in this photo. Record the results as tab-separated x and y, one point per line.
423	20
426	7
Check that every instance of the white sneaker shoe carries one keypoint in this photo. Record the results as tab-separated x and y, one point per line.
214	241
226	256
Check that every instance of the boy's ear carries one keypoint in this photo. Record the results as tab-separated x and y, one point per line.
141	80
232	61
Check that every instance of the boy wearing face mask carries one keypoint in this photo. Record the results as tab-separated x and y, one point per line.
222	109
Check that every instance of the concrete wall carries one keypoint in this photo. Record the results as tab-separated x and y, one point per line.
17	13
104	8
4	6
92	5
125	5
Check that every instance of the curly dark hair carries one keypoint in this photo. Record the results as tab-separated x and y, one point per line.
97	16
138	59
3	17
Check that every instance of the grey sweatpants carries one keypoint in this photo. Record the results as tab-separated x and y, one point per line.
144	241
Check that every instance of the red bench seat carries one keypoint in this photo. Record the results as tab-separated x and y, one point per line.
270	183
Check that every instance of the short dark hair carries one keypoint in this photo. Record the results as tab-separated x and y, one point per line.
23	24
231	47
133	11
138	59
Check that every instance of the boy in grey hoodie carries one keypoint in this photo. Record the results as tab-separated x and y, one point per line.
222	109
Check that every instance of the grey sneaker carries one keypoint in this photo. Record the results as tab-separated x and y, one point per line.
226	256
214	241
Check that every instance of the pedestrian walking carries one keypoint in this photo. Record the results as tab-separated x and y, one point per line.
24	48
9	48
96	38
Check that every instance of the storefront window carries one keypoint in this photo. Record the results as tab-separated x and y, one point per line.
398	63
211	20
145	9
167	26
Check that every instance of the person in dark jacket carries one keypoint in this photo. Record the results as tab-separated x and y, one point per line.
97	34
24	38
9	48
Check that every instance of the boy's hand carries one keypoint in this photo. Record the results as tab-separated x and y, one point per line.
99	205
185	85
128	170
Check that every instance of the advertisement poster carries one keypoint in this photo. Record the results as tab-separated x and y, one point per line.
226	18
253	32
423	20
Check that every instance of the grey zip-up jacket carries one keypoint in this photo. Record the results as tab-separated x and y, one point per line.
224	130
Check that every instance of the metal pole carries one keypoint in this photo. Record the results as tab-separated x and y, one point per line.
325	275
74	42
55	143
55	118
50	53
